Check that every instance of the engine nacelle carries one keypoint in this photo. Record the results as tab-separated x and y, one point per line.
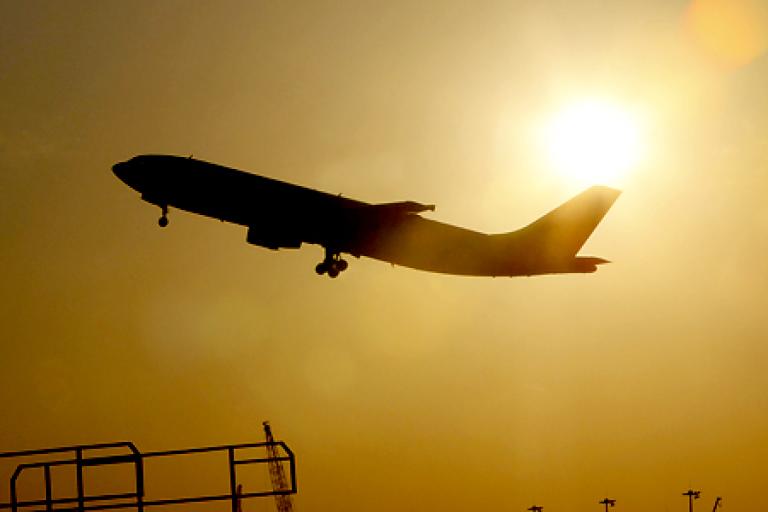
274	239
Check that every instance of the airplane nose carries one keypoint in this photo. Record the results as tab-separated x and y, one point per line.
120	170
130	174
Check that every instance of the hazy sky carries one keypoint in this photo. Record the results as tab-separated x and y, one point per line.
397	389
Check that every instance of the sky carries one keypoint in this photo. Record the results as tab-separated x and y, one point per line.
396	389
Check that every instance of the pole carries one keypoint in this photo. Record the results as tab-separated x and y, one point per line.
608	502
692	495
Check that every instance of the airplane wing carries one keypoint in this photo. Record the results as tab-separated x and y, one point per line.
398	208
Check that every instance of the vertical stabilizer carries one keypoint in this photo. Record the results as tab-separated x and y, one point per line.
567	227
553	240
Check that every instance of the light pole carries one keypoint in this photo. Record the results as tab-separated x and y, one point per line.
692	495
536	508
608	502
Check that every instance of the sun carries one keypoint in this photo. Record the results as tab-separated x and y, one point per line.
593	142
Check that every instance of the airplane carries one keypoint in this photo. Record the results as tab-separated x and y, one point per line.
280	215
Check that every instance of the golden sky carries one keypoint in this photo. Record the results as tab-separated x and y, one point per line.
397	389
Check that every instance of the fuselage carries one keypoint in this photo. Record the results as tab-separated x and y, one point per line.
284	215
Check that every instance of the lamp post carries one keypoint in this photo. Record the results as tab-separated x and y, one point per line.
608	502
692	495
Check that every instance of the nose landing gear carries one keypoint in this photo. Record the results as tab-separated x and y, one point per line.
163	221
332	265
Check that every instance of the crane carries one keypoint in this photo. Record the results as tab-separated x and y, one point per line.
276	473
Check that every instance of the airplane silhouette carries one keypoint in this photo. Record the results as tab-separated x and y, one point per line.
281	215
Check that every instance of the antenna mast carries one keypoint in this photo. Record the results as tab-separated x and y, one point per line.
276	473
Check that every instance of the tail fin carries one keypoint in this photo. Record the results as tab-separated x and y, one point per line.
558	235
568	226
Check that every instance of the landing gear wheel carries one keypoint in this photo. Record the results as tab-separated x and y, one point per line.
332	265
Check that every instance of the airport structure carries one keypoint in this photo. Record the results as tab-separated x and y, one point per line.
40	469
41	466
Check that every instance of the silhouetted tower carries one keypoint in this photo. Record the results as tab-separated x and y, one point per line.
718	503
608	502
276	473
692	495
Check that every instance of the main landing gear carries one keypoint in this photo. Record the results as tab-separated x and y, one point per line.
332	265
163	221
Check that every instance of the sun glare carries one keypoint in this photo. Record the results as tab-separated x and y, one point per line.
593	142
